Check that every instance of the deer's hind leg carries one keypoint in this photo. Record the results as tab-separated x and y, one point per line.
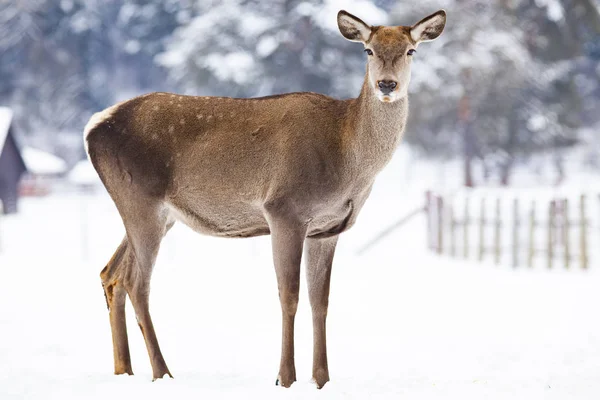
128	273
146	222
114	291
146	225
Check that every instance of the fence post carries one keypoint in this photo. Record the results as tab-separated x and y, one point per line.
565	232
452	222
497	232
428	211
583	233
440	217
531	234
466	228
515	233
482	229
1	215
551	227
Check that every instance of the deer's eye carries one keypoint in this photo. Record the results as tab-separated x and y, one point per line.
411	52
369	52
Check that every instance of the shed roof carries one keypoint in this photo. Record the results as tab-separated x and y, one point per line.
42	163
6	116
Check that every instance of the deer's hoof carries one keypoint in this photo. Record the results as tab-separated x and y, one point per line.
159	376
320	378
286	380
123	371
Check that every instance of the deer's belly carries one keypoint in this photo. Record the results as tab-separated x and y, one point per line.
229	221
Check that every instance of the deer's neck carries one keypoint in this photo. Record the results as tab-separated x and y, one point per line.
377	127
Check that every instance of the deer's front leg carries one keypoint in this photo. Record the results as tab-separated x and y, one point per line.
287	236
319	258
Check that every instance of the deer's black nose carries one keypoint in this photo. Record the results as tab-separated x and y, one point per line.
386	87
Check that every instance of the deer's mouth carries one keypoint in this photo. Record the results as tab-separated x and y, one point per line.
387	98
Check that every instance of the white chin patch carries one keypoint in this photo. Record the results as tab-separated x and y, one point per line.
387	98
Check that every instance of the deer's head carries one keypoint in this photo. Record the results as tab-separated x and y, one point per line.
390	50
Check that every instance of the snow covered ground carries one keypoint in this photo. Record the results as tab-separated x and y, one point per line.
402	323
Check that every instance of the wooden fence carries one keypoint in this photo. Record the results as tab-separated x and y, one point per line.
555	231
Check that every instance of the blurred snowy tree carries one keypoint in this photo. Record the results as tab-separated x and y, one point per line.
63	60
249	48
38	76
498	85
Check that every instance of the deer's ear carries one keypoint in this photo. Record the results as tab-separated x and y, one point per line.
353	28
429	27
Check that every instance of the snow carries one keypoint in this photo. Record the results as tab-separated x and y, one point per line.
554	9
266	46
81	23
537	122
402	323
5	121
326	16
254	25
39	162
127	12
132	46
83	173
66	5
235	66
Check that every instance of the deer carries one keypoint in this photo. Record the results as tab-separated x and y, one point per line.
296	166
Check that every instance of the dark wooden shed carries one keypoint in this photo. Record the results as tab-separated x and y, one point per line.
12	165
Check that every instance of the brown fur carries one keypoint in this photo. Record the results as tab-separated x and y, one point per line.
298	166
